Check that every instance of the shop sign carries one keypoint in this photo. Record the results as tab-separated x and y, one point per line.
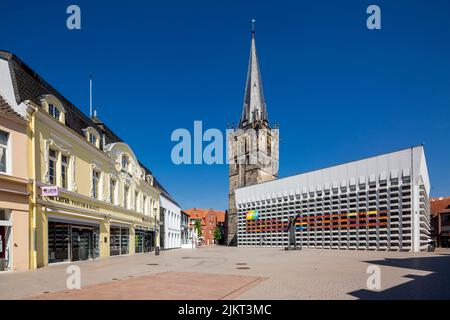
50	191
76	203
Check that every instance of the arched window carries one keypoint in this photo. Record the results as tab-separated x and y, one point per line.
54	107
92	136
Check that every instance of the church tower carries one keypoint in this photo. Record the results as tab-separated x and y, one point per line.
252	146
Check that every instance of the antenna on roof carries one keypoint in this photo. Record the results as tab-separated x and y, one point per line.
90	96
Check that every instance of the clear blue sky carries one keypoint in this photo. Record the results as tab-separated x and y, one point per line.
339	91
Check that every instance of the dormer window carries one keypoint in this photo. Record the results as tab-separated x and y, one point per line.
54	107
92	139
92	136
53	111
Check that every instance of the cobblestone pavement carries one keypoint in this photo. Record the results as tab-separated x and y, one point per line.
305	274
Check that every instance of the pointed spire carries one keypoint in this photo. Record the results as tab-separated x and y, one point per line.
254	108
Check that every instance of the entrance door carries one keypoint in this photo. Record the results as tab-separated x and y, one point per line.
138	241
81	243
124	236
58	242
147	241
114	241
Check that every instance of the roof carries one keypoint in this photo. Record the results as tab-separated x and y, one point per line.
393	165
6	108
254	107
440	205
29	85
199	213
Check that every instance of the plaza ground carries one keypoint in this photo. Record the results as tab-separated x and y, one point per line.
218	272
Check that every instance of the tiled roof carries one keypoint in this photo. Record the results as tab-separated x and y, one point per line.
7	109
28	85
198	213
440	205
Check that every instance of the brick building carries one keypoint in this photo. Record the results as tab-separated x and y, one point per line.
440	221
209	218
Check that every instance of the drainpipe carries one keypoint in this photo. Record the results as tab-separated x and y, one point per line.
31	111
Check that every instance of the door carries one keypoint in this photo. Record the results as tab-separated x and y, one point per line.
147	241
58	242
138	241
114	241
81	243
124	236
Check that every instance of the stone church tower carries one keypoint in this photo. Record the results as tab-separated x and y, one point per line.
252	146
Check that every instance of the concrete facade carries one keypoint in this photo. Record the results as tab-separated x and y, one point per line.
378	203
172	223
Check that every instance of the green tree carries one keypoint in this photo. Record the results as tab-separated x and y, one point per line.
217	233
198	227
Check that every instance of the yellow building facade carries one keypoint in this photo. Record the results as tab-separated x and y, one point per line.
88	200
88	195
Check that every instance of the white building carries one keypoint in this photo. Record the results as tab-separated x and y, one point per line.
172	223
378	203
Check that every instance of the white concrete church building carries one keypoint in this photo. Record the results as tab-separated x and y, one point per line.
377	203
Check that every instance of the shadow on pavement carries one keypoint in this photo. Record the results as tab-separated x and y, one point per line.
433	286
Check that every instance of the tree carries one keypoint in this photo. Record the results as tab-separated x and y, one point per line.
217	233
198	227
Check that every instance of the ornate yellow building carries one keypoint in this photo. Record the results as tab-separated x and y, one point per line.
90	195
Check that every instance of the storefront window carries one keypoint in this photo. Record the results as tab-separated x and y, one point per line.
67	242
138	241
124	236
119	240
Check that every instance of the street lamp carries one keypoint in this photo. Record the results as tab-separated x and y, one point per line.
156	231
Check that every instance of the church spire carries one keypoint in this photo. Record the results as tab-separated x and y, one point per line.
254	108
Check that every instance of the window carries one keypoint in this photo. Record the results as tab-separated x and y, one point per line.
93	139
53	111
136	201
52	158
95	183
112	191
126	192
3	150
64	165
144	204
125	162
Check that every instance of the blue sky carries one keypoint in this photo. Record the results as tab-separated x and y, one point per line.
339	91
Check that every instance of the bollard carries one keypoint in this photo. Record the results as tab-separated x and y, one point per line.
157	251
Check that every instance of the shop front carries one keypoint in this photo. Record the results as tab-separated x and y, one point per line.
143	240
72	241
119	240
69	230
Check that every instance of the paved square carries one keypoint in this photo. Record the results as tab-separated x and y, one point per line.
244	273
